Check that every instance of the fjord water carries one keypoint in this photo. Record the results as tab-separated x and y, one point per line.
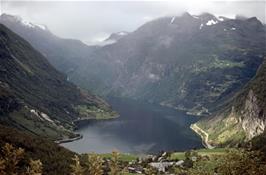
141	128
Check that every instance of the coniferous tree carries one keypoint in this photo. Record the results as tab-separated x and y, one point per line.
35	167
93	164
11	157
2	166
114	166
76	167
12	162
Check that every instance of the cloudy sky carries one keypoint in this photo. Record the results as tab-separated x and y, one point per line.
93	21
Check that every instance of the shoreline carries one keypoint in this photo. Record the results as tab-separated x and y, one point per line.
81	121
204	136
94	119
186	111
79	136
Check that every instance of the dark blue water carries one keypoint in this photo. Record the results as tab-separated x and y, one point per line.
141	128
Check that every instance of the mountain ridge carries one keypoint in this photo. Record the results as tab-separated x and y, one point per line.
165	59
35	97
62	53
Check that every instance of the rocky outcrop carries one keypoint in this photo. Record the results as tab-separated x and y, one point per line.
253	118
244	117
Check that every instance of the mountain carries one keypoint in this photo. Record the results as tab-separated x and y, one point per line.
63	54
243	118
114	37
194	63
35	97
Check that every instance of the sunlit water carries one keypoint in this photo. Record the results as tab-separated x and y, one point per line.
141	128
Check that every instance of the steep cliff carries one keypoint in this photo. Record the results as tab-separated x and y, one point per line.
243	118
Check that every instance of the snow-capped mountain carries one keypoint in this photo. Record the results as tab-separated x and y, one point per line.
17	19
64	54
187	62
114	37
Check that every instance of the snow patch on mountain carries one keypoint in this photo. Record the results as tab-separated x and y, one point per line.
122	33
220	18
172	20
211	22
43	27
201	25
31	25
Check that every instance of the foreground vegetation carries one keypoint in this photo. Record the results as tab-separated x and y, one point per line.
26	154
196	162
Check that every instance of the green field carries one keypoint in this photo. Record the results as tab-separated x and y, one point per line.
201	152
125	157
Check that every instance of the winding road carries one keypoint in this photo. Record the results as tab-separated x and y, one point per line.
203	134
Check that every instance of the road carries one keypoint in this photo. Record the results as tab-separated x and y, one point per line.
204	135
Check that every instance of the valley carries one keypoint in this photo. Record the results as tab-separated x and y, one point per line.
142	128
177	94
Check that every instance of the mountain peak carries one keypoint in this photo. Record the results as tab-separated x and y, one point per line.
186	14
117	36
17	19
8	17
207	17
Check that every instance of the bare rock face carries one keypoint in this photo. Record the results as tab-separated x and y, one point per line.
253	117
244	117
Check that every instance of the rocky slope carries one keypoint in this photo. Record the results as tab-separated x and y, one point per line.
188	62
63	54
35	97
243	118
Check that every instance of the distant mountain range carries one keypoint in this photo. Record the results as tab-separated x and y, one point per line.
202	64
64	54
188	62
35	97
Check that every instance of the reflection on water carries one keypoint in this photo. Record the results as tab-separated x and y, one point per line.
141	128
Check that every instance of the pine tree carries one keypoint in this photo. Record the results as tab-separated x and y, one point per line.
94	164
114	166
35	167
76	167
11	158
2	166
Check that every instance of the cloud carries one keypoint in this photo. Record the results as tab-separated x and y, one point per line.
92	21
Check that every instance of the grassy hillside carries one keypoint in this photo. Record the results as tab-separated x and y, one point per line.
35	97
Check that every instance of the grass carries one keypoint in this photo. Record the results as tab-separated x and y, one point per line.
202	152
34	125
214	62
125	157
94	112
